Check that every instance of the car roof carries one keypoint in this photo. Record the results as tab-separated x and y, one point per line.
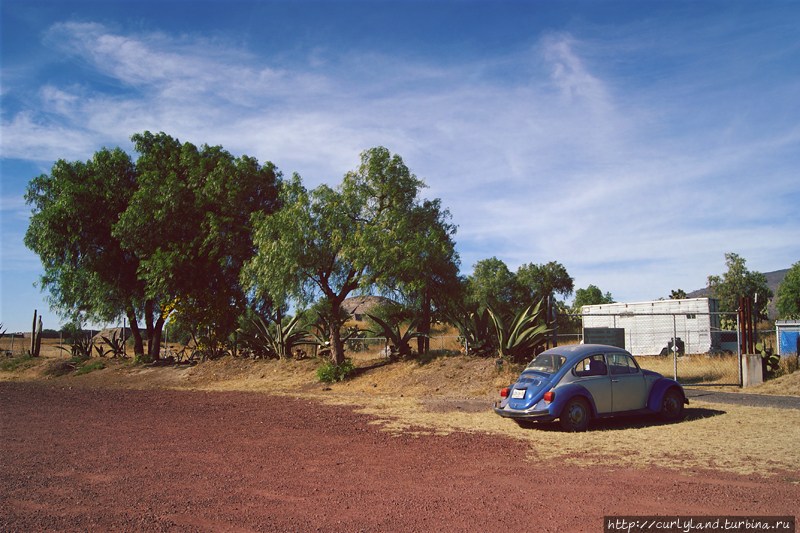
574	351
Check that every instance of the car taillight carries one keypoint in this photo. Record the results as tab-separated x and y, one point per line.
549	396
504	392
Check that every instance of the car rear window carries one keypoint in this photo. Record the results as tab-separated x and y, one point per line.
547	362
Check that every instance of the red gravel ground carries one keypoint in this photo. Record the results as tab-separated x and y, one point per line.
127	460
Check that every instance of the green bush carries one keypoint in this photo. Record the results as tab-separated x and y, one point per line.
14	364
330	373
91	367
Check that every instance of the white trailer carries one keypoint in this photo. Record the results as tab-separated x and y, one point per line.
649	327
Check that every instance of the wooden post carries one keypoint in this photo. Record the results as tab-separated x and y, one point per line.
33	333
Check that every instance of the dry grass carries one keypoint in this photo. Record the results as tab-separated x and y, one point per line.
400	396
786	385
695	368
743	440
21	346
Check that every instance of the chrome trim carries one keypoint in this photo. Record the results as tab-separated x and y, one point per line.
529	413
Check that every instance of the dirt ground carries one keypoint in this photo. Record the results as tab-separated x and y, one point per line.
241	446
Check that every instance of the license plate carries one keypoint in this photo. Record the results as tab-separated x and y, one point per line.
518	393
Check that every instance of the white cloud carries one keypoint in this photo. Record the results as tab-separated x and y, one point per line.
569	162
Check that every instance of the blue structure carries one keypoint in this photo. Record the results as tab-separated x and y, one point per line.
788	333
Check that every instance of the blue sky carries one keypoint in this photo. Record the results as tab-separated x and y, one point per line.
634	142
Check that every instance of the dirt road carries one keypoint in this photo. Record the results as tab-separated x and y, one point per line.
181	461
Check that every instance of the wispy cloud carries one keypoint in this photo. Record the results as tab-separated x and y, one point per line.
555	151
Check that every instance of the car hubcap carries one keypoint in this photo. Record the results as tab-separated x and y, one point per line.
576	414
670	405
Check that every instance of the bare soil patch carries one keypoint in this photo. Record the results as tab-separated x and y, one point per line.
240	445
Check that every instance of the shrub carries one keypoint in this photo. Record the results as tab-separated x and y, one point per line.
330	373
14	364
91	367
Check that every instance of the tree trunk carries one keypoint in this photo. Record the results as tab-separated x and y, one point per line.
153	331
423	343
138	344
337	346
154	342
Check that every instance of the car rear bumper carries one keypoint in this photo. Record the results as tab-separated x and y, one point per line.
542	415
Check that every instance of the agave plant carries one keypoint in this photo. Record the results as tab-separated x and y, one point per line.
116	346
320	333
400	347
81	347
524	334
276	342
476	328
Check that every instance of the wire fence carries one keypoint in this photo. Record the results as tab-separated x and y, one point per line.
365	348
693	348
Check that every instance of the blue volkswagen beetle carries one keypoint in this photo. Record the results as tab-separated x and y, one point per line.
576	383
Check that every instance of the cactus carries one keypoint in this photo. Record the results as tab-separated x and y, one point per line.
33	333
36	336
38	346
769	360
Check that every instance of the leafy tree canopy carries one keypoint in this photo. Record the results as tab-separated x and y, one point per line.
738	282
537	282
789	294
169	232
370	232
679	294
493	285
591	295
87	271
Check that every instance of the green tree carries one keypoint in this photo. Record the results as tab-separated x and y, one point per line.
679	294
427	280
537	282
172	230
326	243
88	273
190	224
789	294
493	285
591	295
738	282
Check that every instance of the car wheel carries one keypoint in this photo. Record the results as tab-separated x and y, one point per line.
671	406
575	415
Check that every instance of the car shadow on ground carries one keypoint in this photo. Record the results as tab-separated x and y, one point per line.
632	422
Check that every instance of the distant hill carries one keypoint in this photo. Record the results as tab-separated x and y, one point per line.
773	281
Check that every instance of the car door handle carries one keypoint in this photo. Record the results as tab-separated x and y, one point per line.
614	381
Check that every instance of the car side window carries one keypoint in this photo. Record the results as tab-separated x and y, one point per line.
620	363
590	366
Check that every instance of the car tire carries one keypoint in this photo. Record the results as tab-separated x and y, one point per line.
575	415
671	406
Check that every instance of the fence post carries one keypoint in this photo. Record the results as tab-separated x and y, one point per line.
739	345
675	346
